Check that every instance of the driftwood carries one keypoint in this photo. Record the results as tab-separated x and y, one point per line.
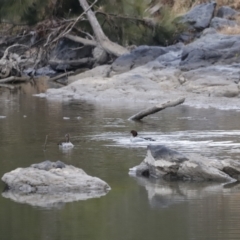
61	76
15	79
102	39
156	108
75	62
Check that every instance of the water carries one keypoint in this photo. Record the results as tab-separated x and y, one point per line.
135	208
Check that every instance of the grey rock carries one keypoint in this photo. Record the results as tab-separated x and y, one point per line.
200	16
99	71
211	49
45	71
166	163
144	54
54	177
226	12
161	152
216	80
219	23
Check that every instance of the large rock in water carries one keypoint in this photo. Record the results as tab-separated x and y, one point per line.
49	183
162	162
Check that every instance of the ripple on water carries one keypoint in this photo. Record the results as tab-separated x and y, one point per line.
223	142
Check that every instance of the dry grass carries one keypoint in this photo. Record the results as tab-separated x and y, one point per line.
182	6
231	3
230	30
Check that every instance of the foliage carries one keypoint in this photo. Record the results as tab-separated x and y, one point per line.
124	21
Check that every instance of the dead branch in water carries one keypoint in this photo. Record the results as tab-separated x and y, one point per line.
156	108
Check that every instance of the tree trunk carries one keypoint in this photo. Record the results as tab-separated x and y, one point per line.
156	108
105	43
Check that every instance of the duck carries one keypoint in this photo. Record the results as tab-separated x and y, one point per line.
135	138
66	143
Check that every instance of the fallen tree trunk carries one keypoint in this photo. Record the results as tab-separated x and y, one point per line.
156	108
102	39
72	63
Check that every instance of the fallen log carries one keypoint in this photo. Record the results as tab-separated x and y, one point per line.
102	39
73	63
15	79
156	108
61	76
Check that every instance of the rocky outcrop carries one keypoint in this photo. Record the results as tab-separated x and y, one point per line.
205	69
227	12
211	49
196	20
219	23
52	182
144	54
200	16
162	162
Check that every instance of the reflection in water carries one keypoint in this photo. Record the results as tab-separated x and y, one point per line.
162	194
50	200
100	134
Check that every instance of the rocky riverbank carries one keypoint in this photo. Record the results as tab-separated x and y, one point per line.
205	71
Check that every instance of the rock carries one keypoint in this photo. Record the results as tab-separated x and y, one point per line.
219	23
163	162
53	181
45	71
144	54
100	55
99	71
218	81
211	49
226	12
199	17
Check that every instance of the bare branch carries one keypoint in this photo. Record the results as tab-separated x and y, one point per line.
156	108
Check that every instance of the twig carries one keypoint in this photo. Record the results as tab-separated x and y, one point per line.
14	45
70	26
45	144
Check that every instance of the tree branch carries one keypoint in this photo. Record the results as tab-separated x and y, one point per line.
156	108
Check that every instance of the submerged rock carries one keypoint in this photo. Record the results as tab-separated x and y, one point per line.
50	182
162	162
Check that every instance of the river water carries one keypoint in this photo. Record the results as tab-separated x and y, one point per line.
135	208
